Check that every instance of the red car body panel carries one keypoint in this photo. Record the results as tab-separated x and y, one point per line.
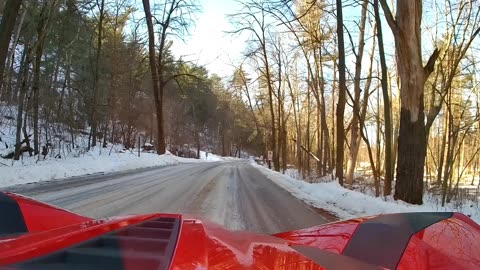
449	242
42	217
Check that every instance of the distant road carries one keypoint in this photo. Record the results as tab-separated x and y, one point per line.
233	194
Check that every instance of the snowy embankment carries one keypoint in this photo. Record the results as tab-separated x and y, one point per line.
30	170
63	160
348	204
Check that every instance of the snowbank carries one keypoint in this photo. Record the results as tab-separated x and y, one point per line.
72	162
30	170
210	157
348	204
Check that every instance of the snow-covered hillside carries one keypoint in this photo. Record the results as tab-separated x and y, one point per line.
347	203
63	160
97	161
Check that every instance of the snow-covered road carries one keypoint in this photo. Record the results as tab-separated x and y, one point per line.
233	194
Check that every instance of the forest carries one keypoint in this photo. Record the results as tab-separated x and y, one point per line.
363	91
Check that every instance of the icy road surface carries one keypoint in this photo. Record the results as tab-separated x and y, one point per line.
233	194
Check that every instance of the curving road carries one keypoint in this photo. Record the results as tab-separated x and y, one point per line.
233	194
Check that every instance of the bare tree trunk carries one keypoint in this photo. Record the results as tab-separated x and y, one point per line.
42	32
297	120
197	141
64	86
354	127
276	164
441	158
23	78
6	86
411	140
378	136
155	77
341	94
333	148
7	25
447	175
36	95
97	74
386	106
307	135
319	141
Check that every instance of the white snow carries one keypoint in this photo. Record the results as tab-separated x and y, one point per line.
210	156
348	204
63	161
29	170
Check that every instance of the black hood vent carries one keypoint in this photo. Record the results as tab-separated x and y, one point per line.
147	245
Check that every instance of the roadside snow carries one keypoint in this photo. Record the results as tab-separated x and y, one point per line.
348	204
29	170
210	156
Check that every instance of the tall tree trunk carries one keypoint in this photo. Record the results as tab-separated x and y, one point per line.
64	86
475	166
276	164
333	148
42	32
7	24
23	78
307	135
197	141
396	121
155	77
342	89
354	143
443	145
447	174
411	141
315	78
319	141
96	87
297	120
36	95
6	86
386	106
378	135
283	143
282	147
323	123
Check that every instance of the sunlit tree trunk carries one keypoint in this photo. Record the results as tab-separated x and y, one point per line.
386	106
354	126
341	95
411	139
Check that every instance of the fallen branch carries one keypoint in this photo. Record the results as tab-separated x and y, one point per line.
305	149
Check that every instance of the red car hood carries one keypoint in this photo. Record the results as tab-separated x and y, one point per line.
34	235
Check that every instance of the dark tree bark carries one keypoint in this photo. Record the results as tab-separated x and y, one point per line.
36	95
97	75
411	161
342	89
7	24
386	106
23	78
42	32
6	86
169	21
155	79
413	75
